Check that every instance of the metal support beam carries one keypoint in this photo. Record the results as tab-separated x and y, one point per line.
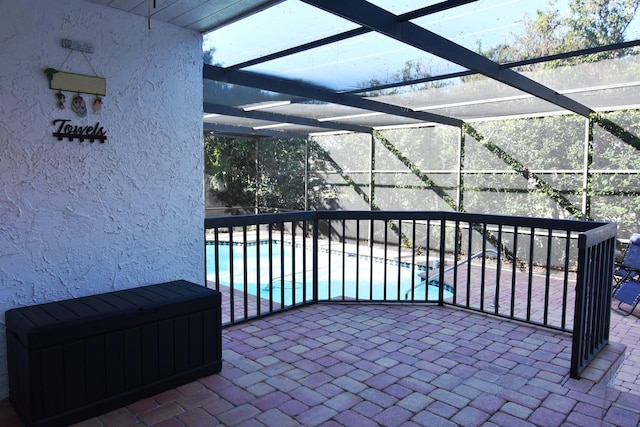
369	15
372	167
460	177
428	10
281	118
301	48
541	59
228	131
295	88
306	176
587	165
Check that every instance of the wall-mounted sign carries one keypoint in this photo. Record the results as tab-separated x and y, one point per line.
72	82
78	83
67	130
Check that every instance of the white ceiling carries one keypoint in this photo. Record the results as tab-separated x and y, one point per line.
199	15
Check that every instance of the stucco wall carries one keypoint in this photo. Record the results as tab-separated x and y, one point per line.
79	218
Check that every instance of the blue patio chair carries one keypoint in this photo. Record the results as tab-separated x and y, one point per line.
629	268
627	276
628	293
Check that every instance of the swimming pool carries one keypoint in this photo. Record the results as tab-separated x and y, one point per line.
284	272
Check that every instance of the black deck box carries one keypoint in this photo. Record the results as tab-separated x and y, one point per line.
75	359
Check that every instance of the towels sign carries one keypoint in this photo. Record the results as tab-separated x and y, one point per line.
64	129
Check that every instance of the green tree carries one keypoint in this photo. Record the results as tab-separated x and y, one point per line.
230	166
590	23
271	173
598	22
542	36
207	56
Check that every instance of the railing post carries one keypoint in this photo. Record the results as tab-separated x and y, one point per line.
443	230
578	338
593	295
314	260
206	283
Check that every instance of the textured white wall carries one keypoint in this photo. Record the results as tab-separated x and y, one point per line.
79	218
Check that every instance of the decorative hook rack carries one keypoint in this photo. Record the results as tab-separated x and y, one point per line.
77	83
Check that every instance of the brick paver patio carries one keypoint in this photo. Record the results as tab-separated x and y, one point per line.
392	365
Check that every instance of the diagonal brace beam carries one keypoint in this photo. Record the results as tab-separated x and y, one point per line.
304	90
231	131
283	118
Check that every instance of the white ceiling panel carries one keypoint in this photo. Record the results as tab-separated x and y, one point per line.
199	15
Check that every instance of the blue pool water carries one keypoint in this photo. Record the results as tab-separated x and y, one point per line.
339	275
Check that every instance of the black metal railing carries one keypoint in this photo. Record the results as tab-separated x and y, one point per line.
592	313
547	272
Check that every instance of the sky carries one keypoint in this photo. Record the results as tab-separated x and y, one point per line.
350	63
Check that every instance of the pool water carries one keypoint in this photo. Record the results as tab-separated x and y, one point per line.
339	275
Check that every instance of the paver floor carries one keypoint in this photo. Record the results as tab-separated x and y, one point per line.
392	365
626	330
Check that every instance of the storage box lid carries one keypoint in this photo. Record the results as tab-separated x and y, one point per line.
51	323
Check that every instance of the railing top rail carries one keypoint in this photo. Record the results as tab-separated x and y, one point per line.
521	221
255	219
596	235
